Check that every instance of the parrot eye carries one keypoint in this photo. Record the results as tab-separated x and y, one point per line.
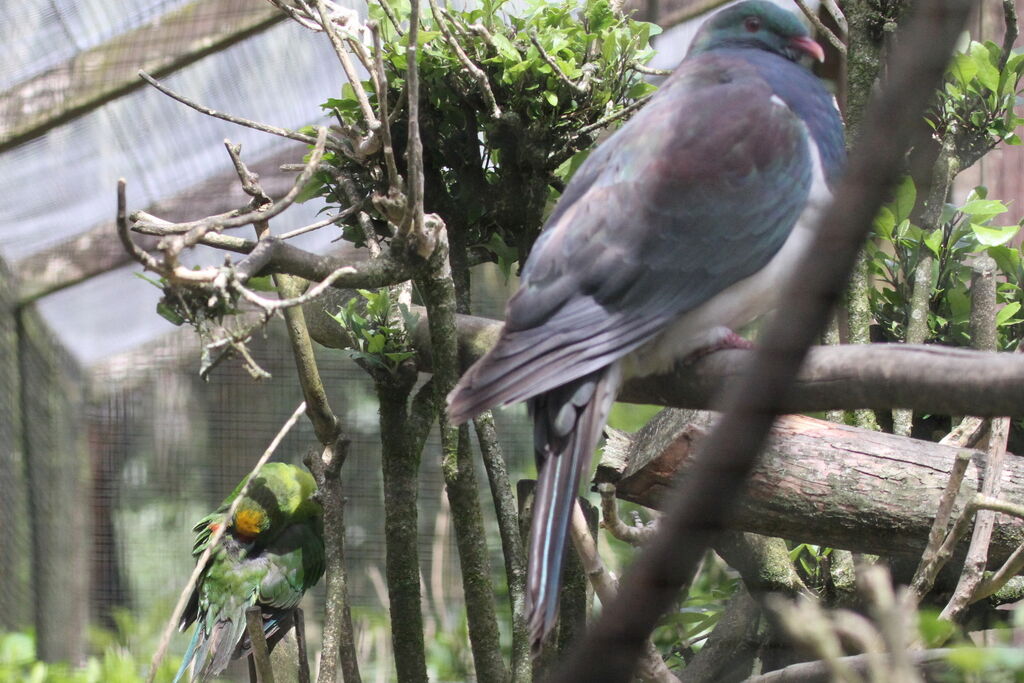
752	24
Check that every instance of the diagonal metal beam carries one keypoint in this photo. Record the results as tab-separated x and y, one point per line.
101	74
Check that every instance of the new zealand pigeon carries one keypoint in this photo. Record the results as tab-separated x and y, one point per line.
271	553
673	233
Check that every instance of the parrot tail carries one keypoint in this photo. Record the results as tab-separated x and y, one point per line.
568	422
189	654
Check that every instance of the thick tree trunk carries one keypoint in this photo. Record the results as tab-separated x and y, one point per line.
818	482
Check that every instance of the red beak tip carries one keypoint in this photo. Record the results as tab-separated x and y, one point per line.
810	47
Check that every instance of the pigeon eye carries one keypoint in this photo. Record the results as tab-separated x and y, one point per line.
752	24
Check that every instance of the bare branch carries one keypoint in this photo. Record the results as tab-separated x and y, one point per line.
303	16
315	226
836	41
190	233
477	74
412	223
837	16
260	651
1011	32
248	123
634	535
394	179
648	71
346	64
929	567
559	74
983	334
147	260
651	667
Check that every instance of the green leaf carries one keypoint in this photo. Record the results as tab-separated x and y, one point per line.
424	37
905	199
993	237
987	73
261	284
885	222
506	49
376	343
934	241
1007	258
1007	312
169	314
983	209
551	97
963	68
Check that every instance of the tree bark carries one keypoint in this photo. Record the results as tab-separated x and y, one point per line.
935	379
818	482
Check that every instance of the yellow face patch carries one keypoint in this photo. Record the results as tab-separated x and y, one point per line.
249	522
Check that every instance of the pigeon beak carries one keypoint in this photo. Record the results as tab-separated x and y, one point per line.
808	46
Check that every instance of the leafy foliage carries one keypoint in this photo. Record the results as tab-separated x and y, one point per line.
116	665
964	232
379	338
555	70
683	631
977	106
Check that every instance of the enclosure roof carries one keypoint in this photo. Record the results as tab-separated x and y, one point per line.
75	117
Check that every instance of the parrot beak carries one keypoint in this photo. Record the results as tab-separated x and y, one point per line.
808	46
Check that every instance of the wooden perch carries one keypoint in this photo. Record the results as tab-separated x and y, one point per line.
818	482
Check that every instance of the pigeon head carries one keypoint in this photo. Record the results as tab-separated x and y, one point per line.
759	25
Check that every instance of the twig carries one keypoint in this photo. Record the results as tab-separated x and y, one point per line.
983	334
269	306
477	74
559	74
806	623
611	118
917	326
896	617
966	434
932	662
248	123
147	260
214	541
338	634
347	65
394	179
190	233
301	17
412	223
397	25
928	569
651	666
837	16
315	226
1010	35
260	651
634	535
836	41
511	541
648	71
250	181
300	644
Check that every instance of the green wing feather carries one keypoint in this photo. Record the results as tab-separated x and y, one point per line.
271	568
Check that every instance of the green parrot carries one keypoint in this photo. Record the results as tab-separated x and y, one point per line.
271	553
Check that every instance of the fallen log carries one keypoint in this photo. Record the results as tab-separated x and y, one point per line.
818	482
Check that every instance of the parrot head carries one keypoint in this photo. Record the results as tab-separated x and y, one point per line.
759	24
